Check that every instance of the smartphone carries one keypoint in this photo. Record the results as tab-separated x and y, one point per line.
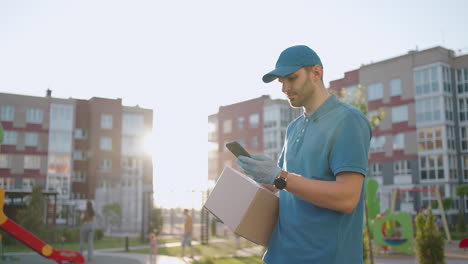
237	149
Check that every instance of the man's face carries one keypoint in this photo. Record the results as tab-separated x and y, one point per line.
298	87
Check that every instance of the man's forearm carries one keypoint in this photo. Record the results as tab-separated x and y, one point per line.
341	195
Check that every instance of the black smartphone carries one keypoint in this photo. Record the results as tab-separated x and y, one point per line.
237	149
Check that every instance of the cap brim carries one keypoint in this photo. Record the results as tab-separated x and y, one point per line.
279	72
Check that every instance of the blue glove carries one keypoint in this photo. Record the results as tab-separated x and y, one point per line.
262	168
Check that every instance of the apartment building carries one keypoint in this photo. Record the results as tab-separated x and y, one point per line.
422	140
81	150
259	125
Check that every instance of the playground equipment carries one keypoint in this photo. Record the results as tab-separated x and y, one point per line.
395	230
33	242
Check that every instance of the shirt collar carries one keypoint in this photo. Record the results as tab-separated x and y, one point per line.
324	108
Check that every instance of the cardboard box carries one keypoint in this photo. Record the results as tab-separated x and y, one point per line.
247	208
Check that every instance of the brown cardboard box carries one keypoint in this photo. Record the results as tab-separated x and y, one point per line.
247	208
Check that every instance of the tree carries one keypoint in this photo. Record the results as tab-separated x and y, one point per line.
429	240
32	216
357	98
112	214
156	220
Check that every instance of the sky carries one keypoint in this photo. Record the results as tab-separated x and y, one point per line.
185	58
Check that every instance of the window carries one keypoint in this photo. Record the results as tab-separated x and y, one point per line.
451	137
462	80
270	117
34	115
395	87
448	109
28	183
133	124
30	139
464	138
399	141
463	109
375	91
8	113
7	183
32	162
227	126
376	169
452	166
269	140
426	81
4	161
401	167
430	138
240	123
59	163
465	167
254	120
106	122
399	113
377	144
79	176
105	143
10	138
106	165
431	167
81	133
79	155
428	110
255	142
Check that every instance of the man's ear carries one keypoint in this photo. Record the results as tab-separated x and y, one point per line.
317	71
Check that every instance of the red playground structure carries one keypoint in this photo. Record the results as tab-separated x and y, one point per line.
30	240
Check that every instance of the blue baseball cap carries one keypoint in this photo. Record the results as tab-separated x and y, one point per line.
291	60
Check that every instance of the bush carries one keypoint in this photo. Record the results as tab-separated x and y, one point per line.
429	241
98	234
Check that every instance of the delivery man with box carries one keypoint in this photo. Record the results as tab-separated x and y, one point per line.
321	169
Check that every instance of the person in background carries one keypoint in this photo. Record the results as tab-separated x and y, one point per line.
320	172
187	236
153	247
87	229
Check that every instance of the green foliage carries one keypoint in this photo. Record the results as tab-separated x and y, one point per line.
157	221
429	241
213	227
365	246
448	203
461	190
98	234
357	98
461	226
32	216
113	214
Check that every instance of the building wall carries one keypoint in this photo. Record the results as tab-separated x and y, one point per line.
244	134
71	153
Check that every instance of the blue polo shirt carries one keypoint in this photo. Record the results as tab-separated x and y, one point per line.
335	138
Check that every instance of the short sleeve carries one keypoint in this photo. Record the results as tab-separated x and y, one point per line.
350	145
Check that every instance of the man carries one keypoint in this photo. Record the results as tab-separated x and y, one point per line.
187	237
321	169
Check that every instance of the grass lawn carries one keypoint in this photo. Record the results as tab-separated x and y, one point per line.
223	248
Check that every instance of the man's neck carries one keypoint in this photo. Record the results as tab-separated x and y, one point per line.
316	101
